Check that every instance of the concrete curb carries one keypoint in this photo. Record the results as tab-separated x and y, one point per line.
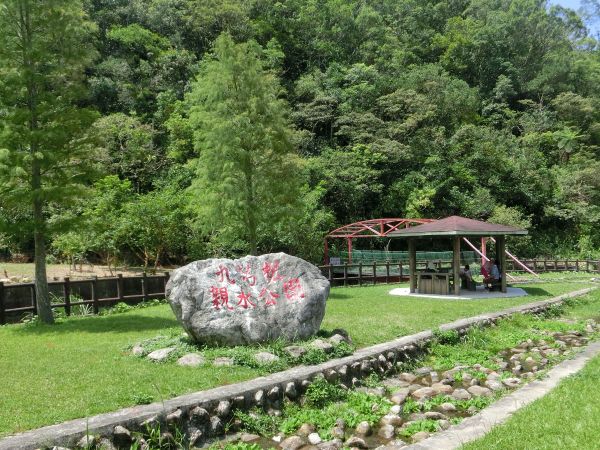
480	424
251	393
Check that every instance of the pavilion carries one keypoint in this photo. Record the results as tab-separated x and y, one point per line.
456	228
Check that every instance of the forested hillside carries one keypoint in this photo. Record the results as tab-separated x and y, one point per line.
222	127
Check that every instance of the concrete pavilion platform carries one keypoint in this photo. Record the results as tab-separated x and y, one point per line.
480	293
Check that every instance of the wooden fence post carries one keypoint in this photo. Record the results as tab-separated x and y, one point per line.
345	274
120	287
67	295
360	273
387	272
400	269
166	279
34	298
144	287
2	313
374	272
94	285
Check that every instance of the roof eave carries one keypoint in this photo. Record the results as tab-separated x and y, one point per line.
458	233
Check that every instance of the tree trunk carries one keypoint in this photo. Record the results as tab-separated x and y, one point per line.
157	260
41	281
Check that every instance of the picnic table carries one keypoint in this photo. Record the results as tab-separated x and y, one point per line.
434	282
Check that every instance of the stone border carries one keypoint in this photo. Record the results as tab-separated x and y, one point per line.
479	425
204	412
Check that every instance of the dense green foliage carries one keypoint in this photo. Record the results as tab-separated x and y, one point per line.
398	108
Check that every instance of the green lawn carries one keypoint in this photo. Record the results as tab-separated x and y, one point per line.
78	367
371	316
567	418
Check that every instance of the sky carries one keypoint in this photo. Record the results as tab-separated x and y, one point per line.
573	4
576	4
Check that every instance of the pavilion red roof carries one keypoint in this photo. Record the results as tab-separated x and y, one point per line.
457	226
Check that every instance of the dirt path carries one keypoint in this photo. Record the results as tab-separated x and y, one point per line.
23	273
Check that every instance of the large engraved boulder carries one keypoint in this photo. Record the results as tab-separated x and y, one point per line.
248	300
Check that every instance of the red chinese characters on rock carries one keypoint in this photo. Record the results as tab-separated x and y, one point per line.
293	289
269	296
247	274
223	274
220	298
244	300
271	271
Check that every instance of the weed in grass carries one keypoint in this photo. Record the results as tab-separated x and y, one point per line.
411	406
313	356
358	407
463	405
122	307
477	402
553	311
257	422
431	426
235	446
321	392
322	408
372	381
156	439
142	399
342	349
450	337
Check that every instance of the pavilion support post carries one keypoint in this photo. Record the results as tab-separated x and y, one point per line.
501	256
412	265
456	264
483	250
326	252
349	250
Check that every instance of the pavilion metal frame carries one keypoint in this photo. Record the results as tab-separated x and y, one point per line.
372	228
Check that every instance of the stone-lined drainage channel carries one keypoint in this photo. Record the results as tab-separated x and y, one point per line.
203	416
477	426
422	402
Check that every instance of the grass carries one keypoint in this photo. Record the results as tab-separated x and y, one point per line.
389	317
79	367
566	418
547	276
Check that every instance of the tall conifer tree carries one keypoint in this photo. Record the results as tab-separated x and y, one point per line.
248	172
44	152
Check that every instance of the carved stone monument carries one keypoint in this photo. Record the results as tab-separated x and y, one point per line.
249	300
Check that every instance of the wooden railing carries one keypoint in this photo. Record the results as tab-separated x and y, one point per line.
19	299
388	272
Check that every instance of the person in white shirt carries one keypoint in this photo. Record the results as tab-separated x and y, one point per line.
467	278
495	271
466	273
